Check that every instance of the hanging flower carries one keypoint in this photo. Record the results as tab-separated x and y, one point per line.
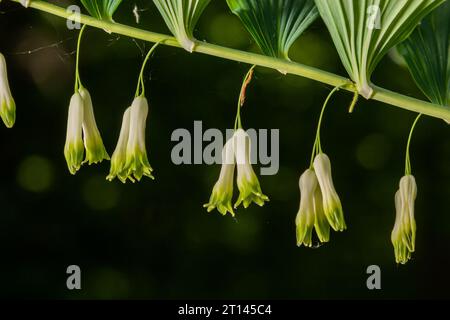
331	203
118	158
310	214
136	161
321	223
129	160
247	181
222	193
95	150
74	148
7	104
403	235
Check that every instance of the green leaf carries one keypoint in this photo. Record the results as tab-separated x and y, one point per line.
101	9
275	24
363	31
181	16
426	53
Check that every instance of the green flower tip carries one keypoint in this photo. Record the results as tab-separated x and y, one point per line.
250	191
221	197
8	112
331	203
129	160
311	215
7	104
403	235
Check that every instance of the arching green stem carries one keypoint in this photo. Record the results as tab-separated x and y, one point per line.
317	147
380	94
77	73
140	90
408	159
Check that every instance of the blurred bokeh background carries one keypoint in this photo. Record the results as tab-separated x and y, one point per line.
153	239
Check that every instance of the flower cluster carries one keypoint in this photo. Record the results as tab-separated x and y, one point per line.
236	153
7	104
320	206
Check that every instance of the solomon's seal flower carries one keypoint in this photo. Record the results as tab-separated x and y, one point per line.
403	235
222	193
310	214
247	181
95	150
306	214
331	203
118	158
7	104
74	148
136	160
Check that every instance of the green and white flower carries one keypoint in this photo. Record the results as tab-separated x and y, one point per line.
129	160
7	104
119	156
222	193
74	147
247	181
331	203
403	235
95	150
136	161
310	214
82	132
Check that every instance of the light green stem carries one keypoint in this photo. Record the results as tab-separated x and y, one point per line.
408	170
141	84
317	147
334	80
77	73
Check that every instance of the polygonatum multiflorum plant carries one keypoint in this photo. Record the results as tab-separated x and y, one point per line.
363	31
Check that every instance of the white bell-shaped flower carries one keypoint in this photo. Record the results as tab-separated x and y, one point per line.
95	150
222	193
247	181
403	235
331	203
74	147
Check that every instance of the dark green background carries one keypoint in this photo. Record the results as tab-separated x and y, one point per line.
154	239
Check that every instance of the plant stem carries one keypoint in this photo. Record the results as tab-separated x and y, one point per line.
408	159
242	96
77	74
141	84
380	94
317	148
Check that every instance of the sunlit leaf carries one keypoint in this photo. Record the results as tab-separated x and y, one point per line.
181	16
363	31
426	53
275	24
101	9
